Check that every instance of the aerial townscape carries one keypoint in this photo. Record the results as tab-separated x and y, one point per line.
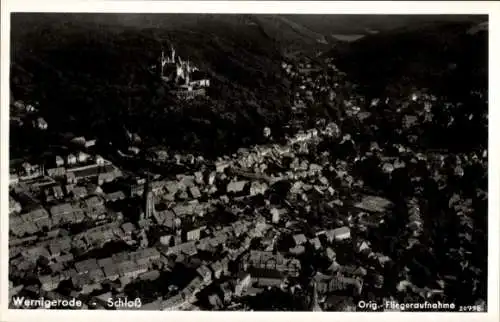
230	193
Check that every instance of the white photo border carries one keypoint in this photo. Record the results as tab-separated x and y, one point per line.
288	7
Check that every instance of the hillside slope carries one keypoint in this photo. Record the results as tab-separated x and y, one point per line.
442	57
93	78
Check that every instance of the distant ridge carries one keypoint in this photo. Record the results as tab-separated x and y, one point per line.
483	26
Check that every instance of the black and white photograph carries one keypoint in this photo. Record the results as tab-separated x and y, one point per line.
248	162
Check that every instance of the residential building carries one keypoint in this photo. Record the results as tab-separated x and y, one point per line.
193	234
195	192
71	159
204	273
236	186
129	269
263	277
86	266
244	281
50	282
300	239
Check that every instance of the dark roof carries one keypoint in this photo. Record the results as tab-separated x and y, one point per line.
265	273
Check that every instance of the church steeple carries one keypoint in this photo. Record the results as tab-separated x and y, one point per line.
149	205
314	301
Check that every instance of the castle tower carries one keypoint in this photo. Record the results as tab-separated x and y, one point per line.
187	73
162	62
314	302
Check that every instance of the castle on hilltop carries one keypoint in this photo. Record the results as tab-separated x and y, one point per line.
186	79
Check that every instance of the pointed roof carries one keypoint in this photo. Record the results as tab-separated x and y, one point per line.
314	302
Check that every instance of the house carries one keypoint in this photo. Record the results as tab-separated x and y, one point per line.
182	210
342	233
174	303
185	181
226	292
172	187
265	278
38	217
79	140
129	269
199	178
86	284
58	192
193	234
236	186
330	253
82	157
215	301
66	258
145	256
257	188
204	273
314	169
41	123
217	269
56	172
327	284
107	261
316	243
54	250
59	161
99	160
297	250
189	249
269	260
94	202
338	234
300	239
86	265
90	143
243	281
56	267
152	306
373	204
134	150
14	206
71	159
150	275
79	192
13	179
111	272
68	274
166	240
221	165
114	196
192	288
351	271
195	192
363	246
50	282
277	214
382	259
167	218
97	275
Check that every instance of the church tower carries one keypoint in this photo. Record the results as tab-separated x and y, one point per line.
314	301
149	204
